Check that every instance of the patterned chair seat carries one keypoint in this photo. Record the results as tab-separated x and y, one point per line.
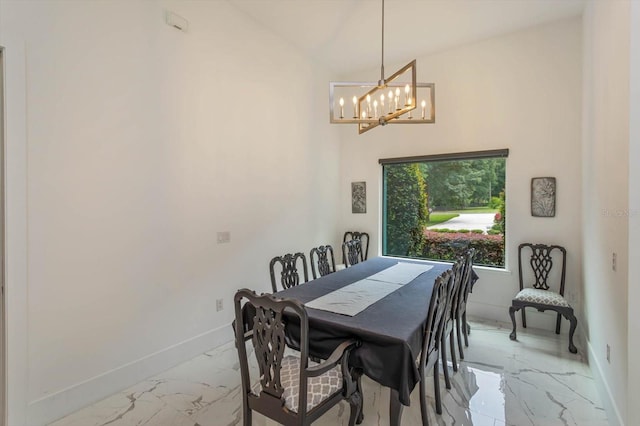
318	388
544	297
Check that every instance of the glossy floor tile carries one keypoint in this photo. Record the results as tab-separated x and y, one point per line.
534	381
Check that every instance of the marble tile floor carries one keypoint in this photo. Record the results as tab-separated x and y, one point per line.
534	381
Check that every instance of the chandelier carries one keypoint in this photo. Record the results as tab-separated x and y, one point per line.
389	101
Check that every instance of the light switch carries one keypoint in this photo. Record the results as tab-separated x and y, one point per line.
176	21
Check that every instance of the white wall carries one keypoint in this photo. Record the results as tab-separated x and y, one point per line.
606	197
634	207
521	91
141	143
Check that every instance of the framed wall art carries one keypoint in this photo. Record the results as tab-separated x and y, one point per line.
358	197
543	196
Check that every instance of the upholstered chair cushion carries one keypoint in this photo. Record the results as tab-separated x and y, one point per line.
318	388
544	297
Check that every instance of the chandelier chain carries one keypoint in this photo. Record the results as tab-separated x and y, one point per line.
382	60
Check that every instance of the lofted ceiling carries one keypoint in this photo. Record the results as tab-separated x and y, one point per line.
346	34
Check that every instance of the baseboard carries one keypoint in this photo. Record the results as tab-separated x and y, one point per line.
613	413
55	406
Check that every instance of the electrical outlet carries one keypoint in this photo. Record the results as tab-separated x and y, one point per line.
224	237
608	353
614	261
219	306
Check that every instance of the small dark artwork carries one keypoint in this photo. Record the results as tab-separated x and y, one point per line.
358	197
543	197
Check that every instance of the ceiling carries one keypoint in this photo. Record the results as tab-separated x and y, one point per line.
345	35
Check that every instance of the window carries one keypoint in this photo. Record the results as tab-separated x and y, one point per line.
434	207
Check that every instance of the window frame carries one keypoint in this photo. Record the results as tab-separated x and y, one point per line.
458	156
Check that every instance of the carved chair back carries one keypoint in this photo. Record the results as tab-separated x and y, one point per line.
322	257
351	252
465	284
431	341
452	296
288	385
364	242
435	316
289	272
541	262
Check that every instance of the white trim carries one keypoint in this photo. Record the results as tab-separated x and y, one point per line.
16	276
55	406
3	320
608	402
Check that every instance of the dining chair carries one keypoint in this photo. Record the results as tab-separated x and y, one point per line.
289	274
462	327
449	321
364	241
430	354
320	257
351	252
539	294
291	389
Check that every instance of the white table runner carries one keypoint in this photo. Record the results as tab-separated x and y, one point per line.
358	296
401	273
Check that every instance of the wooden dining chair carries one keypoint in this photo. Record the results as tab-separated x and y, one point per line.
449	321
539	294
291	389
351	252
323	259
430	355
364	242
289	273
462	327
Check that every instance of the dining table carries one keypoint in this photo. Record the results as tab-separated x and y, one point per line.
389	324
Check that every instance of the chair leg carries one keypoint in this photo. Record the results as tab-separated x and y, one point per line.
467	328
423	397
359	388
558	323
524	319
572	329
445	369
246	417
355	401
436	388
458	331
452	346
512	314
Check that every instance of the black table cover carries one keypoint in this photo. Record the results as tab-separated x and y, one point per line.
391	330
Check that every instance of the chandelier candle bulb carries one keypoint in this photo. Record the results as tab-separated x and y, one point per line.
341	107
369	106
406	95
409	104
397	97
424	109
375	108
355	107
390	97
